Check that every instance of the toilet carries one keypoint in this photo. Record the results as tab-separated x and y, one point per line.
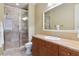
28	47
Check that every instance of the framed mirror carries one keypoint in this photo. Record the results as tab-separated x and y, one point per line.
61	17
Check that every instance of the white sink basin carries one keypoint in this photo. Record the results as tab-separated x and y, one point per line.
52	38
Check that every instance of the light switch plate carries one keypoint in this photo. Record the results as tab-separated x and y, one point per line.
78	34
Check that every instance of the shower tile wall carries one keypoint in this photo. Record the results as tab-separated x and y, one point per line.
24	32
24	27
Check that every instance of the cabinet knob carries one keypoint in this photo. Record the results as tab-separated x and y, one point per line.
68	54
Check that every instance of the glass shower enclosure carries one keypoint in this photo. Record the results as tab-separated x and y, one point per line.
15	28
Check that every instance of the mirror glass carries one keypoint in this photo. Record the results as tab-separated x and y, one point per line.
61	17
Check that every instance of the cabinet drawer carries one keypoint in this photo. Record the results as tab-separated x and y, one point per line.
74	53
64	51
51	45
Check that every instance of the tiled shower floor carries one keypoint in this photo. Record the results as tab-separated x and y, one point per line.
15	52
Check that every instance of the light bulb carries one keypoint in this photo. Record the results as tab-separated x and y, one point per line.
17	4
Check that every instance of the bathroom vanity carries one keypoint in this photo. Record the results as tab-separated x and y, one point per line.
43	46
61	18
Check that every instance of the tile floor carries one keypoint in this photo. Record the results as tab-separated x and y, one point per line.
15	52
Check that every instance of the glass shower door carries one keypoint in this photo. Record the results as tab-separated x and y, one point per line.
11	27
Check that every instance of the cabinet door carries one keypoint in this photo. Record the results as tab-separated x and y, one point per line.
52	49
43	49
34	51
64	51
35	46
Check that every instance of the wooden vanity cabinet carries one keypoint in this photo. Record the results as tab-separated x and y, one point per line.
52	49
35	46
44	48
48	49
74	53
63	51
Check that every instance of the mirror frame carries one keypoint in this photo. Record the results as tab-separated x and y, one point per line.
48	9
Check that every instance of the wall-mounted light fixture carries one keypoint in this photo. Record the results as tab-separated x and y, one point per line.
53	4
24	18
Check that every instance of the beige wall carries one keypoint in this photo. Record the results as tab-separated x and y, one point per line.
1	12
39	25
31	20
39	16
1	51
1	33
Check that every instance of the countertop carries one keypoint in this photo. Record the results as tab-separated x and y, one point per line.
71	44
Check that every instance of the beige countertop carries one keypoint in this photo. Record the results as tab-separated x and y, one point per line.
72	44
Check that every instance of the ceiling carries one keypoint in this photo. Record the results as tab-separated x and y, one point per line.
21	5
